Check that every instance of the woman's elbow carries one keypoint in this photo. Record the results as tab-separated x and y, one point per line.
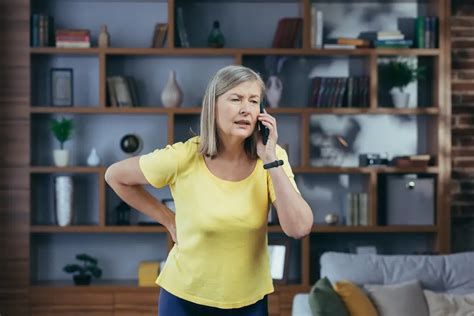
110	174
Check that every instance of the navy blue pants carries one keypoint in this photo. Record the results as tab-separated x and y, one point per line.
170	305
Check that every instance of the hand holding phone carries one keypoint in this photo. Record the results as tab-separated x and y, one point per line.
264	131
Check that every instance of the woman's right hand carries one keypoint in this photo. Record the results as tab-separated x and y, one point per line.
171	226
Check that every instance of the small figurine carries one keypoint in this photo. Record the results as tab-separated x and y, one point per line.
216	38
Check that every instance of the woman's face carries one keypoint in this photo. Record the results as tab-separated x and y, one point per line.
237	110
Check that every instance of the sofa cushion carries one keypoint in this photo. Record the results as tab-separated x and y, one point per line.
357	303
324	301
441	304
442	273
400	299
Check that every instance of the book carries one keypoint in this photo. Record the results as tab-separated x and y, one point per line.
182	35
420	32
339	46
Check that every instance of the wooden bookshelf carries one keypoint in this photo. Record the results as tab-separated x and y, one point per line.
125	297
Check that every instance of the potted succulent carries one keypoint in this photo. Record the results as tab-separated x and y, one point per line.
62	131
86	271
399	74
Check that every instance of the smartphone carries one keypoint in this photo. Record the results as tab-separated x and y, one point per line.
263	129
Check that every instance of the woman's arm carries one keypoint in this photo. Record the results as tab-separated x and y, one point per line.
294	214
126	179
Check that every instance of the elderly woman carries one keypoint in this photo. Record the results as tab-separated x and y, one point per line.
222	182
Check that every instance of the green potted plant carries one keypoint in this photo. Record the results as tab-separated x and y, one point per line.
399	74
84	272
62	131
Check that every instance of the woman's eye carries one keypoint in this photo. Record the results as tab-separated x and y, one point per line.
254	102
234	100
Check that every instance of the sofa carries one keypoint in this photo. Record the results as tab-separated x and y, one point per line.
452	273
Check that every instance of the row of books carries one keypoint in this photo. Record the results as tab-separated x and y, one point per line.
160	35
73	38
357	212
288	33
426	32
338	92
42	30
122	91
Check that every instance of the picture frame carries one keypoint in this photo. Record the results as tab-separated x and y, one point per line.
169	203
61	84
279	255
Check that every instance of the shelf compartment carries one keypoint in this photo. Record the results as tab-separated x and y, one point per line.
104	132
151	74
337	141
85	198
52	229
51	252
322	229
85	78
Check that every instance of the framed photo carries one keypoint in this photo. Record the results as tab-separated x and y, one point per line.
61	86
279	254
169	203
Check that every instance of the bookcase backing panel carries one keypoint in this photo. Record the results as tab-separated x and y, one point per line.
125	29
327	193
240	22
152	73
85	199
402	135
104	132
85	78
297	73
118	254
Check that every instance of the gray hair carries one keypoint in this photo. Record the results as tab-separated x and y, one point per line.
224	80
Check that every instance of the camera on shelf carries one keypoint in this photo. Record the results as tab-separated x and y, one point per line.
372	160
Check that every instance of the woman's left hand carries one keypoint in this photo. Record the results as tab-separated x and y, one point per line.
267	152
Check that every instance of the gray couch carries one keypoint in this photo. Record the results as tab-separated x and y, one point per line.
443	273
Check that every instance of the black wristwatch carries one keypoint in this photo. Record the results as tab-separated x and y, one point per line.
273	164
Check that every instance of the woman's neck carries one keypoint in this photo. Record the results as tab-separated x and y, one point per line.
232	149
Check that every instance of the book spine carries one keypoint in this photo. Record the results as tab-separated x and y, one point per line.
319	29
313	27
69	38
434	32
35	30
420	32
427	32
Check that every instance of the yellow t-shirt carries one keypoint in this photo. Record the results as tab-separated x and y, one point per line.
221	259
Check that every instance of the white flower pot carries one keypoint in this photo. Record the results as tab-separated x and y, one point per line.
64	200
61	157
400	99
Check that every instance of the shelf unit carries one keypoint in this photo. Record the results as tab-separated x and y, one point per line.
438	113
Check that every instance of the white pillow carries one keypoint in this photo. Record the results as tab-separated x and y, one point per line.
442	304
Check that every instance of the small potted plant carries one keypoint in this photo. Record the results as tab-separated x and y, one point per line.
84	272
399	74
62	131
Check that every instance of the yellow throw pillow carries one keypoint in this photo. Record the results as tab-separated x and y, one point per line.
357	303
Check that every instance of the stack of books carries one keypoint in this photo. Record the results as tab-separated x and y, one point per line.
42	30
346	43
73	38
121	91
357	209
288	34
426	32
336	92
392	39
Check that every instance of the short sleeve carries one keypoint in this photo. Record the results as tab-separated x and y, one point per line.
160	167
281	154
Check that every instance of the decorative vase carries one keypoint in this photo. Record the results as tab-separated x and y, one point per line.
104	37
274	90
93	160
400	99
216	38
61	157
171	96
82	279
64	200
